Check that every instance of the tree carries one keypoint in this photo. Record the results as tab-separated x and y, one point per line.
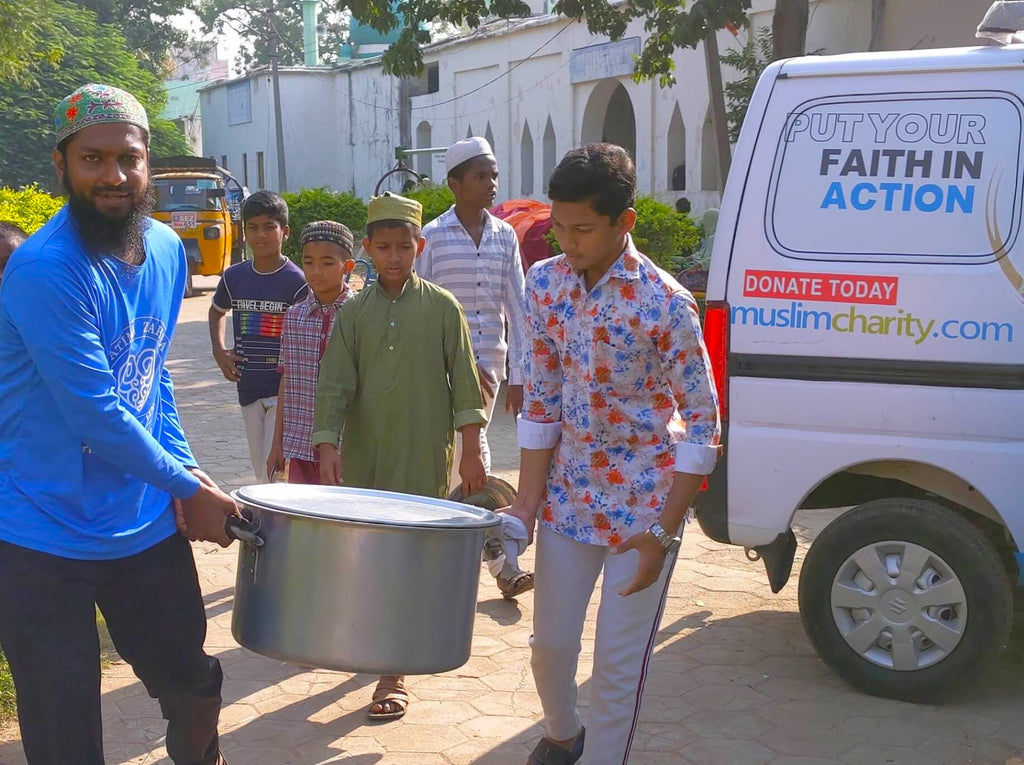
249	18
749	61
668	23
28	35
99	53
789	28
145	25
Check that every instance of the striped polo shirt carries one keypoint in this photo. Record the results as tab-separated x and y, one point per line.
488	282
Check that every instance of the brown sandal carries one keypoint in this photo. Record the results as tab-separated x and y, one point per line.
515	585
390	690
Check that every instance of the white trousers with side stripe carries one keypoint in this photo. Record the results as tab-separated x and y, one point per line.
566	573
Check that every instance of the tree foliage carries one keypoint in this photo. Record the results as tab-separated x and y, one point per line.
750	61
145	24
670	24
250	20
98	54
28	35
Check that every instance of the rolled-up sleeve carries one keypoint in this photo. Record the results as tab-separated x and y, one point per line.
467	400
685	360
540	424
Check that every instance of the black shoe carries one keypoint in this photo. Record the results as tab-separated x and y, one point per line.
547	753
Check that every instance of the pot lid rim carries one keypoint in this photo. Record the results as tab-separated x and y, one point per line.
465	517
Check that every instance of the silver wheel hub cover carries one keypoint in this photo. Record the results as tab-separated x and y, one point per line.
899	605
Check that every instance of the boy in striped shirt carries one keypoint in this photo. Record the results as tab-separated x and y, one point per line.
475	256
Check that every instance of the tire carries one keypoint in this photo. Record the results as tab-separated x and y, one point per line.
842	606
189	288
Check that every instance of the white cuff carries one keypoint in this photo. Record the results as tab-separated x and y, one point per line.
537	435
515	376
696	459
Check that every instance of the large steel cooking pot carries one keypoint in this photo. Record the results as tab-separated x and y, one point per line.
357	580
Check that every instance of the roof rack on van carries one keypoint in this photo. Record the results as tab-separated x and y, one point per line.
1003	22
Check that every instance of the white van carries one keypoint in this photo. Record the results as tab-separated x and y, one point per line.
865	319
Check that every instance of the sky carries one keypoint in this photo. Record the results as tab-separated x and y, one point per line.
228	43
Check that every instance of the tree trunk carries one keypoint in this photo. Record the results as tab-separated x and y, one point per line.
789	28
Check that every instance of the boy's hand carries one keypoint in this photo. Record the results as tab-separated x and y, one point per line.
514	400
331	471
275	462
652	560
488	385
228	362
204	514
529	519
471	471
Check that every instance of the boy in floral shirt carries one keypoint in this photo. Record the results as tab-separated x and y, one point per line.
619	394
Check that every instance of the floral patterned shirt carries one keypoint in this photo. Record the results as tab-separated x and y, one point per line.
619	379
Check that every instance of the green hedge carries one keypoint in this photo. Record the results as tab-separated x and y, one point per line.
436	199
309	205
28	208
666	236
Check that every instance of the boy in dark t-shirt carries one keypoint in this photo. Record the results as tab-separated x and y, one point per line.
257	292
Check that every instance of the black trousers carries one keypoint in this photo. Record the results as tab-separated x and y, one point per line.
154	611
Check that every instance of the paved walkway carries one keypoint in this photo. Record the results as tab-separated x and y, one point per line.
734	680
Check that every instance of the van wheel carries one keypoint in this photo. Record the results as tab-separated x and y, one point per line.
189	289
905	599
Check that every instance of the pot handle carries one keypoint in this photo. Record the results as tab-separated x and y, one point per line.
244	528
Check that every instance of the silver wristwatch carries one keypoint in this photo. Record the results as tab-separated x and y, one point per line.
669	542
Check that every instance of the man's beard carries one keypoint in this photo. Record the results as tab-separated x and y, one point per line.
102	235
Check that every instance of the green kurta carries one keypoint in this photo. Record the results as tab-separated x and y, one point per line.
397	378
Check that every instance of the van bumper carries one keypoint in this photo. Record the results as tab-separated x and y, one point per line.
712	510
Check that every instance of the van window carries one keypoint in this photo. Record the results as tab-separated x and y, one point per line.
900	178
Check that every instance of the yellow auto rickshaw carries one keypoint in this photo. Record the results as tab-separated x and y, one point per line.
202	203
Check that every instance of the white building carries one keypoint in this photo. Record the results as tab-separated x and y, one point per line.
535	87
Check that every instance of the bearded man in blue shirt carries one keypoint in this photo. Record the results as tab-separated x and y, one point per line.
96	477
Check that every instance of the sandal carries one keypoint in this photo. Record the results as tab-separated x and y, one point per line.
547	753
515	585
391	692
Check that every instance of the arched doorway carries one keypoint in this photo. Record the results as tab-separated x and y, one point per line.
609	117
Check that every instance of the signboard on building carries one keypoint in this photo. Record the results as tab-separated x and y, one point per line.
239	103
597	62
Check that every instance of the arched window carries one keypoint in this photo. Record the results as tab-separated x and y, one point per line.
490	137
423	142
550	154
709	180
526	160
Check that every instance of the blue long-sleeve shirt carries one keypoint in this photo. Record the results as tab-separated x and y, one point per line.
91	448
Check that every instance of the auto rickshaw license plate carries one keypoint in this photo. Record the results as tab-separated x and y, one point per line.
183	220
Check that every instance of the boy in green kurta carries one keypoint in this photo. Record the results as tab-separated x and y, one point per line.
398	378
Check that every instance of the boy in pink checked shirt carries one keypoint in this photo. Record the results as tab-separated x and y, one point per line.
619	397
326	260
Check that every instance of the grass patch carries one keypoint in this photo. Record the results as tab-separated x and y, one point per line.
8	701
